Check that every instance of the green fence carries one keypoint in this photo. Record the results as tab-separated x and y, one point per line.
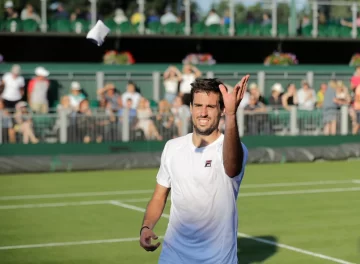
149	76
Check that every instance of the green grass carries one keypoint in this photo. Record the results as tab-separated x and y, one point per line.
324	222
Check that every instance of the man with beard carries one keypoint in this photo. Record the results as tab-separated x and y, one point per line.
204	170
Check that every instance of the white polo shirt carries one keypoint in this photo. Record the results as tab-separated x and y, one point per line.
203	220
12	87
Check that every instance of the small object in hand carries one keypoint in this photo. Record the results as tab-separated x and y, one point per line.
98	33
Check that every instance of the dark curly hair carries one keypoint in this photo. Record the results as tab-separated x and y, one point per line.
208	85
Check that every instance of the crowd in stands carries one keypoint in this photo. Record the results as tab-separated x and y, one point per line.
165	119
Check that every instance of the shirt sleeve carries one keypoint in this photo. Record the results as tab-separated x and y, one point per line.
22	82
163	176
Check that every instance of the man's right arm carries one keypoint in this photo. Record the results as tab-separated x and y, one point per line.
156	206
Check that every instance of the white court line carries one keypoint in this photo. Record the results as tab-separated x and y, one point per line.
90	194
65	195
47	205
62	244
309	191
288	184
250	194
306	252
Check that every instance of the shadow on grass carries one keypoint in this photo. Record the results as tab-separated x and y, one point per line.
254	250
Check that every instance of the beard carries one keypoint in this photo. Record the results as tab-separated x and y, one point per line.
206	131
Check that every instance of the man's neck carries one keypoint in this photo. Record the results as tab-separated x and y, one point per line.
202	141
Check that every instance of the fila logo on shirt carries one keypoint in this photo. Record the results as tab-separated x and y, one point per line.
208	163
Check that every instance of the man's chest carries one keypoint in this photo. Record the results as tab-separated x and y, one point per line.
195	168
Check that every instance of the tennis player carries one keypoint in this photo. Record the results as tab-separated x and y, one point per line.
204	170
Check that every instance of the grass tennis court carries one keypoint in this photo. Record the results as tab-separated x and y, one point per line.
289	213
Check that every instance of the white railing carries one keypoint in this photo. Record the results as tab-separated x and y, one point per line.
65	127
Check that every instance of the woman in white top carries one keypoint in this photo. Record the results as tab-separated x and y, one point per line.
189	75
172	77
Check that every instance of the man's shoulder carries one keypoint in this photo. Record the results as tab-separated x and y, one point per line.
177	142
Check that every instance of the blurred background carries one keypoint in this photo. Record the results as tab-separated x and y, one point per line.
70	108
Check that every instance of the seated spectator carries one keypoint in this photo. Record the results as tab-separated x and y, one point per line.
168	17
111	95
226	18
24	124
306	97
79	14
213	18
7	126
37	92
10	13
290	97
266	20
320	95
153	16
120	16
275	100
254	90
131	94
13	84
172	77
164	121
137	17
145	123
132	112
182	115
60	12
86	125
256	118
28	13
345	23
75	95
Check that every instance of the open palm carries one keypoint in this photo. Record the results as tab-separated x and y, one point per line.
232	100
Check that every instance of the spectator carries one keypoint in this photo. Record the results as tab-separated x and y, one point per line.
275	100
13	84
120	16
342	94
144	115
181	113
355	79
164	121
266	20
137	17
75	95
330	109
168	17
111	95
153	16
8	132
320	95
226	18
356	107
132	112
60	12
28	13
306	97
345	23
256	118
79	14
24	124
190	73
86	125
290	97
213	18
172	77
254	90
131	94
37	92
10	13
